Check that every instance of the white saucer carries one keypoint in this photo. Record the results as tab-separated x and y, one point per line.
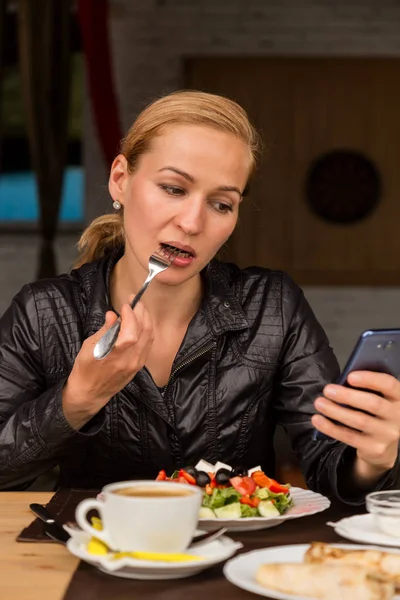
362	528
213	552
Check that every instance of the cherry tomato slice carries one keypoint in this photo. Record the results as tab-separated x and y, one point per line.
278	488
262	480
187	476
244	485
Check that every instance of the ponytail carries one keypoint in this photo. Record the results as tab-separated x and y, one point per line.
103	235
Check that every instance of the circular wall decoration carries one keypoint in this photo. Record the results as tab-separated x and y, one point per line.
343	186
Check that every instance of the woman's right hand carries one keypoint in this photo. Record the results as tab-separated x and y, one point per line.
92	383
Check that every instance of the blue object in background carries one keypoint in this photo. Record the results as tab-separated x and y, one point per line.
19	197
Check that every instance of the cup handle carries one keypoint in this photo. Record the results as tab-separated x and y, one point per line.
81	518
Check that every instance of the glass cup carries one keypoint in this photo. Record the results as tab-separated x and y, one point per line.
147	516
385	508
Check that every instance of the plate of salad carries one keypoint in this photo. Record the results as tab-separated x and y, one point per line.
245	500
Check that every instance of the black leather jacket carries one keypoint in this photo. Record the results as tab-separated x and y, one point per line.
253	356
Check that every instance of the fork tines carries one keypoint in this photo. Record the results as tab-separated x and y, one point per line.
166	253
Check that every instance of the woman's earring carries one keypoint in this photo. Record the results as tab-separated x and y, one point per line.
117	205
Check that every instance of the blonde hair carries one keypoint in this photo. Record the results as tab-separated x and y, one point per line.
183	107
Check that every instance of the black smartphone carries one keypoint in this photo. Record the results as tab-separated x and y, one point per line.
376	350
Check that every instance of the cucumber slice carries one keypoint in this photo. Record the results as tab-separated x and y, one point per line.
267	509
206	513
229	511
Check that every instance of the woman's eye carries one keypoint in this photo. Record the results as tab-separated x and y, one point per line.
172	190
223	207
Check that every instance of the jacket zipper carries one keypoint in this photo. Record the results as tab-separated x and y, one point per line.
176	450
189	360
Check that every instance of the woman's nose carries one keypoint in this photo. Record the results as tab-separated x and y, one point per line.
191	216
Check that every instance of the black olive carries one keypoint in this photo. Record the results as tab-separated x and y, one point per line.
239	472
191	470
222	476
202	478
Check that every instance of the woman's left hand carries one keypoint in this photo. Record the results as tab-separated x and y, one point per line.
378	435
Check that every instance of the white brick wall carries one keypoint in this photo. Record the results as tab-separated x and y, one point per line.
18	260
347	311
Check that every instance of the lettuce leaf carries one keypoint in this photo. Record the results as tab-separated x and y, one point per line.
248	511
221	497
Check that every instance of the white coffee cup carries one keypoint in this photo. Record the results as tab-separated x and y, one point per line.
158	516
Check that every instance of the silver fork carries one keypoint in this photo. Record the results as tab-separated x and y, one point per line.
158	262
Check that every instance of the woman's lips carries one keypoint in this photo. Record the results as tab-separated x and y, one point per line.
183	261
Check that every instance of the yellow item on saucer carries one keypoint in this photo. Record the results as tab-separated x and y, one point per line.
158	556
97	524
96	546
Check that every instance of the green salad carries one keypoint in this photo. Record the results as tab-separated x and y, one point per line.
228	495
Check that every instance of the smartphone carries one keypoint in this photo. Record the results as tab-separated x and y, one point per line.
376	350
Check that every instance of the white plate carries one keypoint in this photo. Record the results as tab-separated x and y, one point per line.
306	503
241	570
362	528
213	552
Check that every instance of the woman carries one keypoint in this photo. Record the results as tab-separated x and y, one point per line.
209	361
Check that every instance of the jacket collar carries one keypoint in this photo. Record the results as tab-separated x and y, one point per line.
96	282
220	303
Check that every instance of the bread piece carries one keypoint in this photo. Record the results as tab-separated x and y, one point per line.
325	581
385	564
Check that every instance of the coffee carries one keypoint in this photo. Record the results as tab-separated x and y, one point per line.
152	492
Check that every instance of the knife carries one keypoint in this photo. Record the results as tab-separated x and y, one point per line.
51	527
